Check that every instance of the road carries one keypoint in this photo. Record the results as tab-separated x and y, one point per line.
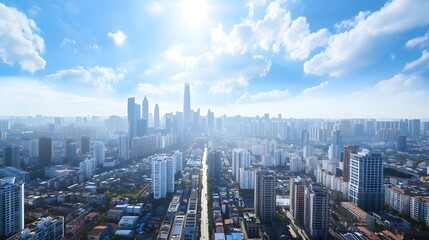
204	201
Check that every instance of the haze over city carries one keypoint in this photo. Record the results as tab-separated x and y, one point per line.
331	59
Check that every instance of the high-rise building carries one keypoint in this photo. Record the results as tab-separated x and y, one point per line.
156	123
366	180
214	163
84	145
132	120
31	147
295	164
141	127
316	213
99	153
297	204
68	156
337	145
87	167
265	196
123	148
11	207
186	106
402	144
163	171
46	151
247	178
145	110
348	149
12	157
240	158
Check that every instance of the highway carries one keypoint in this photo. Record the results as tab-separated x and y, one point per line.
204	201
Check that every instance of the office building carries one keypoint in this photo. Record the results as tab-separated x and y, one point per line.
12	157
163	171
295	164
348	150
11	207
141	127
214	163
18	174
156	121
46	151
265	196
123	148
366	180
316	212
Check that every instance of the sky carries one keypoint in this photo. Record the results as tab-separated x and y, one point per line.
301	59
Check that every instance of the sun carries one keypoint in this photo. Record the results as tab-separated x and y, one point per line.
195	12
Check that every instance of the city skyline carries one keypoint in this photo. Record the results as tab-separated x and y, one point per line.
246	58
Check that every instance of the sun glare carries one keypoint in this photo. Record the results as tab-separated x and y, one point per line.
194	11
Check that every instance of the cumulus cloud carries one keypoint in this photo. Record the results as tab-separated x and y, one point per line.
68	41
319	87
20	40
353	49
118	37
351	23
424	58
271	96
276	31
421	41
101	77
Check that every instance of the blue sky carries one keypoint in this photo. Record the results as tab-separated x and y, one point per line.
335	59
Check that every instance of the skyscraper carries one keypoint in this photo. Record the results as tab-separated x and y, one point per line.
145	109
11	207
265	196
316	213
46	151
348	149
156	117
132	120
12	157
186	106
84	145
366	180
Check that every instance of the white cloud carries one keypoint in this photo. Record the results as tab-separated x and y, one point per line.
20	40
101	77
271	96
277	31
154	8
93	46
424	58
153	68
36	97
319	87
68	41
353	49
351	23
118	37
421	41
